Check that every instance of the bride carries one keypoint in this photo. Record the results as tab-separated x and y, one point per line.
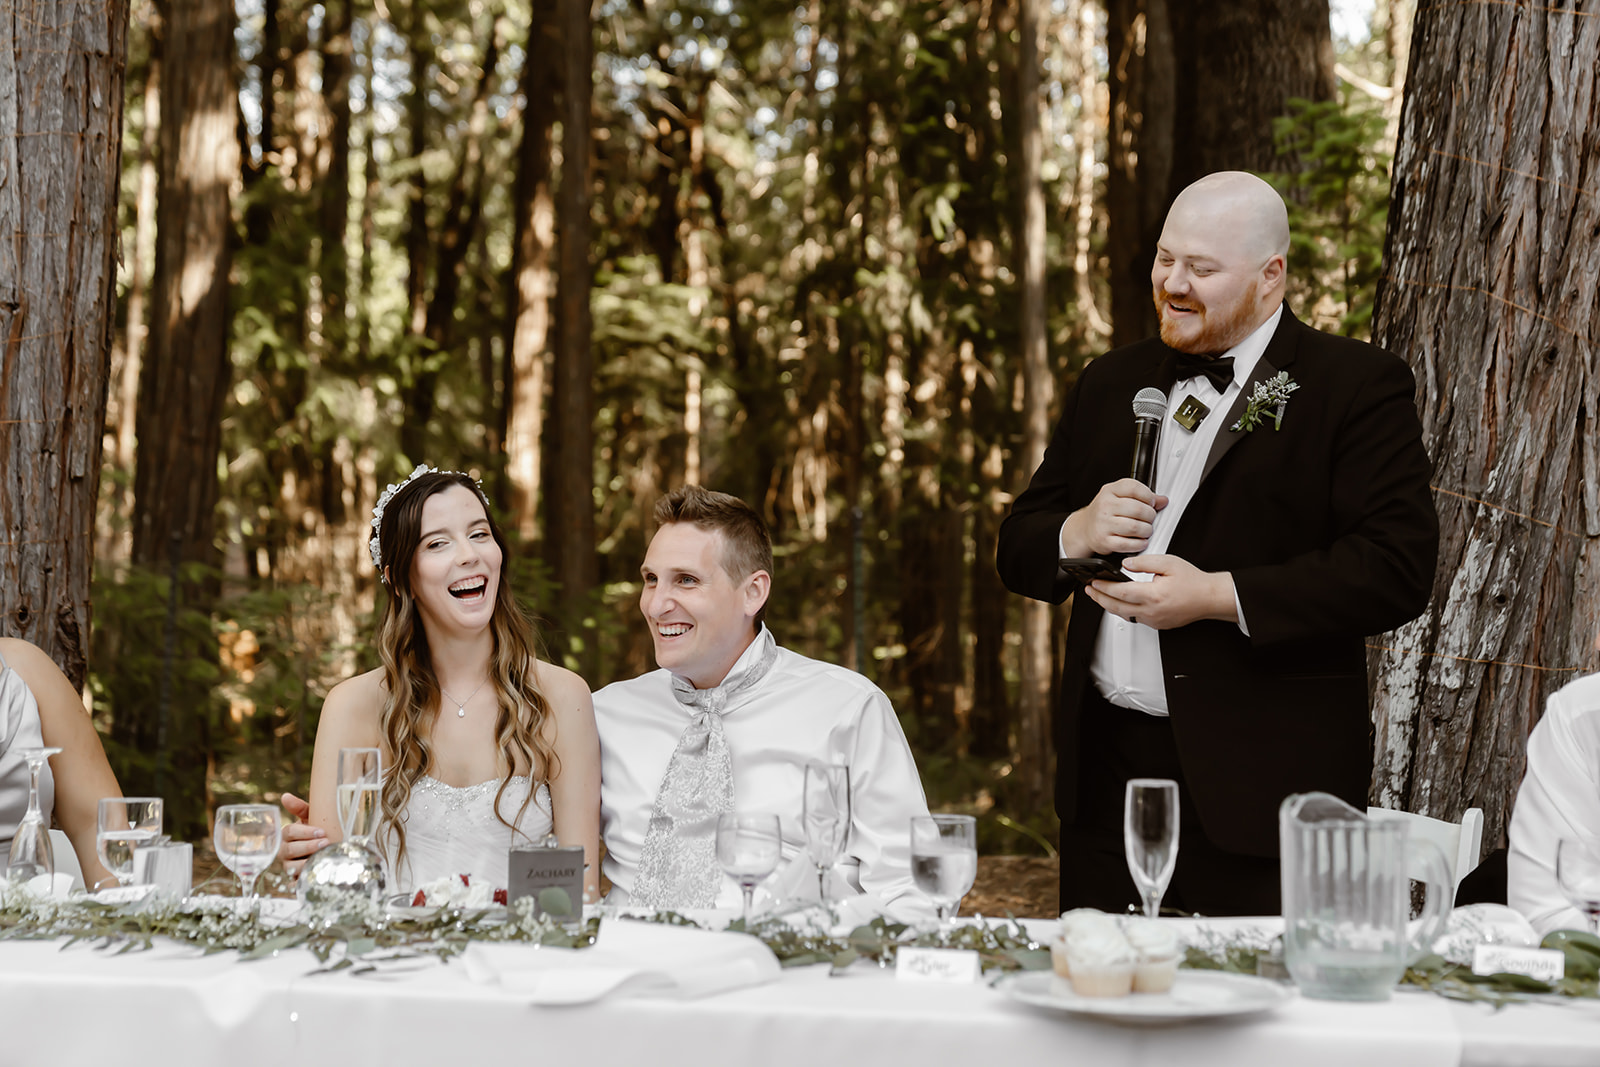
484	747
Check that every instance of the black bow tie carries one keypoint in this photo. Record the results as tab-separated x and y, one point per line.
1220	371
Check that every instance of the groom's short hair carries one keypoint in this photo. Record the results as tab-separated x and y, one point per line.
746	544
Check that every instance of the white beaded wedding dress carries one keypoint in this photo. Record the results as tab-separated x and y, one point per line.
453	830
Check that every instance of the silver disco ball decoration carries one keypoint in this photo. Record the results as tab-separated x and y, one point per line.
340	874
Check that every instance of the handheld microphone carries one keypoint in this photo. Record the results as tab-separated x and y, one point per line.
1149	408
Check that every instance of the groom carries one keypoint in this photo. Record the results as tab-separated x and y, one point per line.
1290	515
728	724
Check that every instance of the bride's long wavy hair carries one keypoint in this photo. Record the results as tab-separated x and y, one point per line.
411	701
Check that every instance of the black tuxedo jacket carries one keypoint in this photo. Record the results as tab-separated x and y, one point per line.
1328	527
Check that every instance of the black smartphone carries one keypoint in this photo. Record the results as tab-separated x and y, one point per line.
1087	569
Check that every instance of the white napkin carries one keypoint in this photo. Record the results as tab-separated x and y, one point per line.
57	886
628	959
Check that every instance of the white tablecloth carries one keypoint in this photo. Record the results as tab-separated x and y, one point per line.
172	1007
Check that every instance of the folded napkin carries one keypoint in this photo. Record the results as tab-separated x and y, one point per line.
628	959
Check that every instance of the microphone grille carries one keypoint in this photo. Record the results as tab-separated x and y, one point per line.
1149	403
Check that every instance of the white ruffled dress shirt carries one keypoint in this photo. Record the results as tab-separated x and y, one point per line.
1127	656
1560	797
803	710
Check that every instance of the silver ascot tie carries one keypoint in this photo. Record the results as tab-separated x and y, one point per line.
678	864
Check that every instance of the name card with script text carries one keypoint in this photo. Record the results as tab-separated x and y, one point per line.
936	965
1545	964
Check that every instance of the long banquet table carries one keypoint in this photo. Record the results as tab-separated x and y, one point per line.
172	1006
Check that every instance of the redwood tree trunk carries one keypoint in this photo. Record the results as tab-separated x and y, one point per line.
533	210
1490	292
1194	89
570	513
61	69
163	713
1038	665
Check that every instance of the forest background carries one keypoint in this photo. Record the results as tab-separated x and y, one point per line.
840	258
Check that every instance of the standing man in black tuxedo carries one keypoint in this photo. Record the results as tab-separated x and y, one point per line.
1276	536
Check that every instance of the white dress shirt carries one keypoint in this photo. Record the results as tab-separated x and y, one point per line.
1126	666
803	710
1560	797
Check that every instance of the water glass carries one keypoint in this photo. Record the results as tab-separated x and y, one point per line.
825	816
748	849
247	837
359	793
123	826
1150	837
1578	874
944	859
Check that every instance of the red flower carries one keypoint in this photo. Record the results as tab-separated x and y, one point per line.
419	900
499	896
465	879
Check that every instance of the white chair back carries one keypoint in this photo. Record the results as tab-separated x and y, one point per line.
66	857
1461	842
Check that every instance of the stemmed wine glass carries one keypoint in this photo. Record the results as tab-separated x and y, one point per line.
30	847
1578	873
748	848
1150	837
124	825
944	859
359	793
247	837
825	815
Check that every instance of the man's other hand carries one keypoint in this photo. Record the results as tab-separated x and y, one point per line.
1178	593
1117	520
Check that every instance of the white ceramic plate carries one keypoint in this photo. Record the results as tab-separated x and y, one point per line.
1195	995
399	906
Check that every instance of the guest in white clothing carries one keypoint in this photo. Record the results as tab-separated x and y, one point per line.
39	708
729	722
1559	797
483	745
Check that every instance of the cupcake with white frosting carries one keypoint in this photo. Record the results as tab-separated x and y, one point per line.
1099	960
1155	946
1072	921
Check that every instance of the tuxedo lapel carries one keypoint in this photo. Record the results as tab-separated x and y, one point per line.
1279	354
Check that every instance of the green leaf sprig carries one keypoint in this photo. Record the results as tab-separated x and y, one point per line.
1267	402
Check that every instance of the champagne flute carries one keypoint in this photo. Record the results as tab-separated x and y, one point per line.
247	837
944	859
1578	873
359	793
123	826
1150	837
748	849
825	815
31	855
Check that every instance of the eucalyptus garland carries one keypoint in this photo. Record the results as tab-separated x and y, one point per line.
358	934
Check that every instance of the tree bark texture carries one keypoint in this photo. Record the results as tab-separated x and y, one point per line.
1194	89
186	372
61	72
1490	292
570	515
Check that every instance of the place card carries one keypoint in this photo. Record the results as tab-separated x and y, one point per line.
957	965
1545	964
169	867
531	871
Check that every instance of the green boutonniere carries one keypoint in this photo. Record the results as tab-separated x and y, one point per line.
1267	402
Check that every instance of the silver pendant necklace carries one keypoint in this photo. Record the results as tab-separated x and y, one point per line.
461	705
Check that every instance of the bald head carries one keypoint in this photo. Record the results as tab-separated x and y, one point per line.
1220	269
1243	206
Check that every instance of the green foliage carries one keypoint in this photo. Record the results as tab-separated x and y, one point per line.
1337	188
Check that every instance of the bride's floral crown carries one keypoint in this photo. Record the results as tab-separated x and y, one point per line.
374	546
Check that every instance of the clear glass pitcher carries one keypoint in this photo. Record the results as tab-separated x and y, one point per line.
1347	896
